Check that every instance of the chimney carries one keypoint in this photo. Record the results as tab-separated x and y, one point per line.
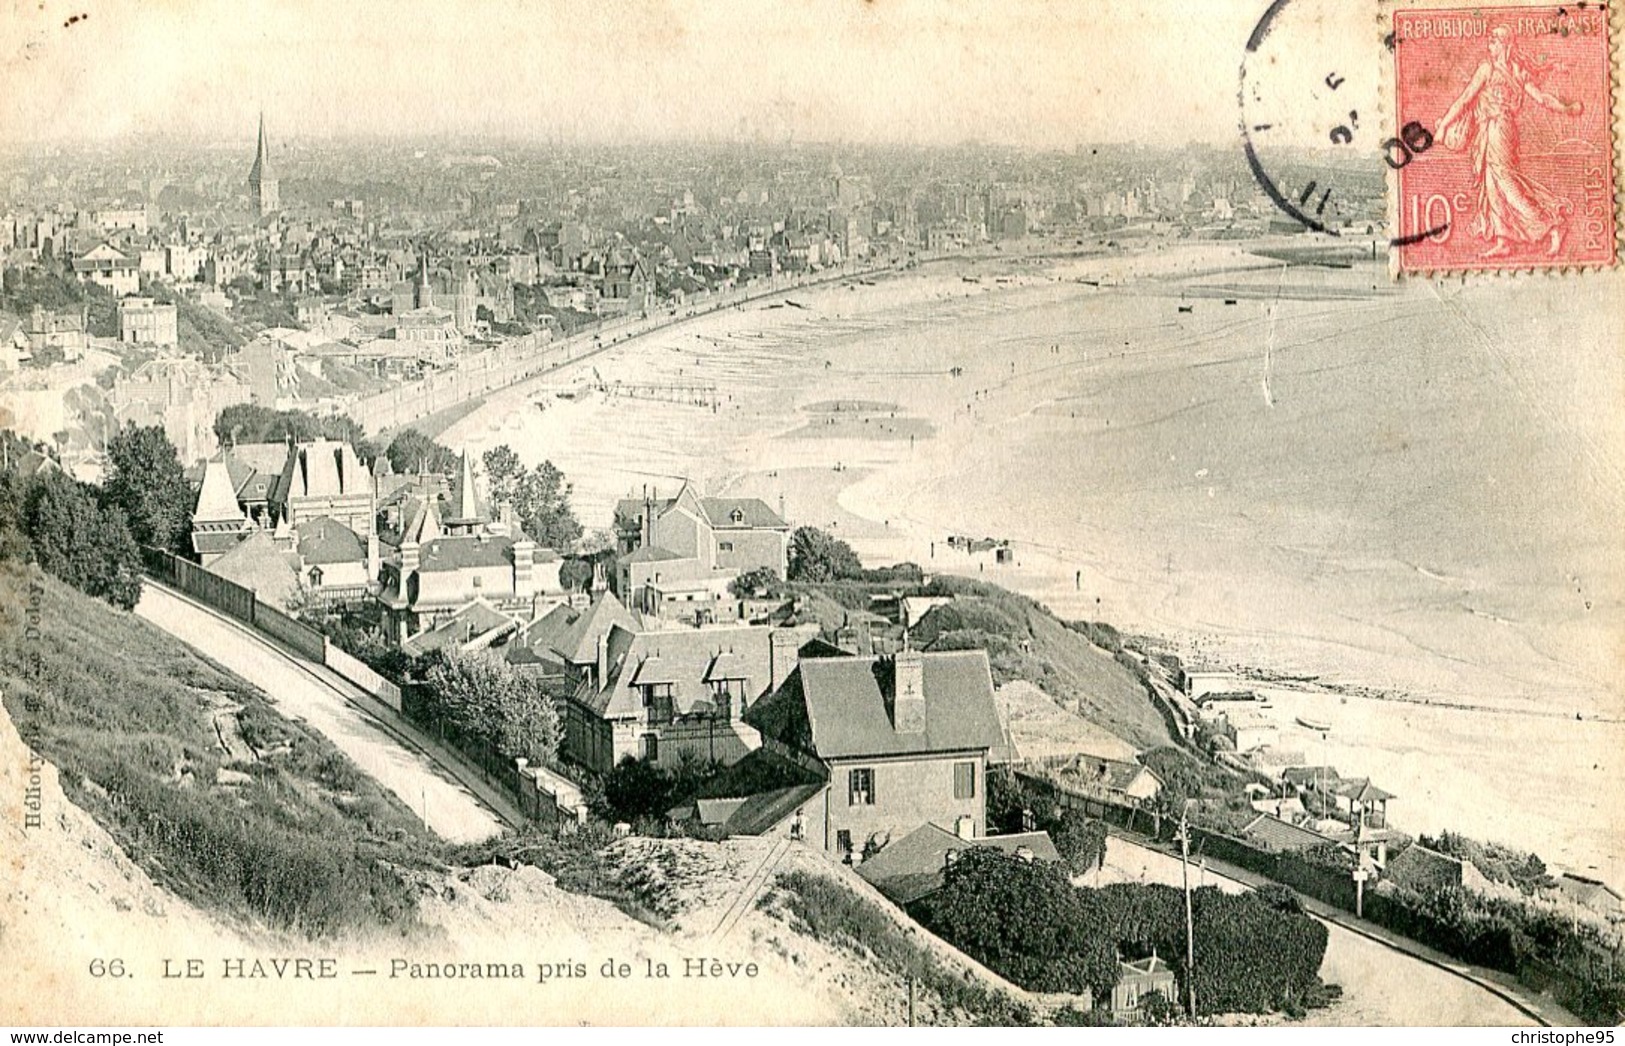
648	519
965	827
524	567
783	653
908	692
409	561
374	556
781	508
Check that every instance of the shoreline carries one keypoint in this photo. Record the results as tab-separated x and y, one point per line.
897	499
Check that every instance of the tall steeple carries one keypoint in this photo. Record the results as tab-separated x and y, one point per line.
262	184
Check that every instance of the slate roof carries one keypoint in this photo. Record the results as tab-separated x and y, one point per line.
324	468
758	793
909	868
754	514
682	657
465	552
256	468
217	496
1311	776
1588	892
650	554
256	563
1283	835
578	643
537	642
1114	775
840	707
326	540
469	623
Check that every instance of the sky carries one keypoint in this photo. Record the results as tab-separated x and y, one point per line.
1017	72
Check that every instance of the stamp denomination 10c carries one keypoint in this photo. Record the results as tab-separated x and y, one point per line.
1517	103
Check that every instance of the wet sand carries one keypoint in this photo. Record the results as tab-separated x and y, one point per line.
1395	487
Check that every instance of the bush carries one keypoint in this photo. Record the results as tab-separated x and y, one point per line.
834	914
1027	922
816	556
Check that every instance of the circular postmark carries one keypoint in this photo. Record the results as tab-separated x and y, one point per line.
1311	126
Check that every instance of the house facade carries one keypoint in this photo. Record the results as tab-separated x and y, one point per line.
679	554
670	695
900	741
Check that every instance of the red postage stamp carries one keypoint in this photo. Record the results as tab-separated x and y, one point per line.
1505	151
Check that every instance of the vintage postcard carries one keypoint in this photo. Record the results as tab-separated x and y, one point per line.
834	514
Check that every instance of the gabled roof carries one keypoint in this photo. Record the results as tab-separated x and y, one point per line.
1151	964
578	642
326	540
1585	890
682	657
535	643
256	469
1310	776
912	867
1283	835
477	620
840	707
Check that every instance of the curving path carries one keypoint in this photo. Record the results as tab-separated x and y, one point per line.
449	809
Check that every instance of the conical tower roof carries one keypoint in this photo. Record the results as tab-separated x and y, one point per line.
217	500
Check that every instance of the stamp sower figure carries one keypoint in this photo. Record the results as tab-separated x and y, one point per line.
1512	207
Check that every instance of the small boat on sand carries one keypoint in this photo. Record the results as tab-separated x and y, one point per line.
1317	725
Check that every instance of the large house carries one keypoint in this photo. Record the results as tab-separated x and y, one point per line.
682	551
897	741
433	572
657	695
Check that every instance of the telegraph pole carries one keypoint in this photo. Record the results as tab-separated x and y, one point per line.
1190	921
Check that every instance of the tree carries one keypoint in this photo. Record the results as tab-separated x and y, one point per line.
542	503
485	699
636	789
1080	841
816	556
79	541
253	423
147	484
504	472
761	579
575	573
411	450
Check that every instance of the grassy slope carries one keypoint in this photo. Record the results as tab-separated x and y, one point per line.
1025	641
304	841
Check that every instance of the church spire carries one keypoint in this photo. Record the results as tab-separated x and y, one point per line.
262	184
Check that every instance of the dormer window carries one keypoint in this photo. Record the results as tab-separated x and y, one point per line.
736	517
315	577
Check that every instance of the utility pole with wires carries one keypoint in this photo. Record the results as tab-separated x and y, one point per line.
1190	921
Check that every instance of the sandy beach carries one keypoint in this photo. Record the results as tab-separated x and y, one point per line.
1312	471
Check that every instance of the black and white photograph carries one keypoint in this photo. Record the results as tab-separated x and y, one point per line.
811	513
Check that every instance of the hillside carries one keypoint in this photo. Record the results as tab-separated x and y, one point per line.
1026	642
130	858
